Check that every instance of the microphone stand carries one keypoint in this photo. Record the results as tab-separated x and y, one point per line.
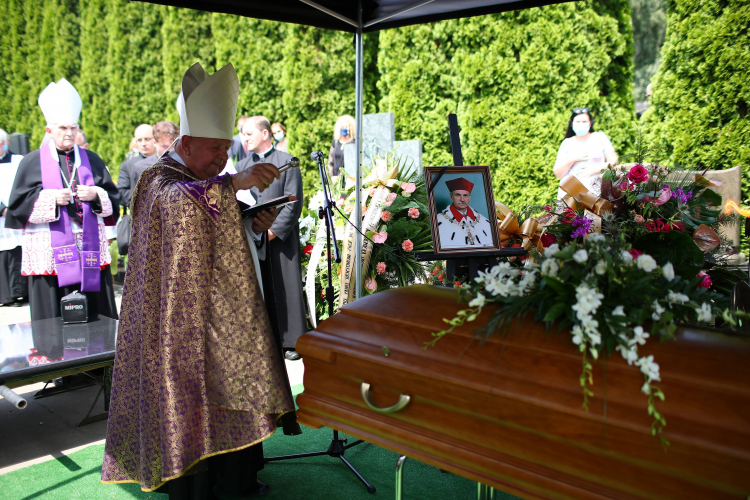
338	446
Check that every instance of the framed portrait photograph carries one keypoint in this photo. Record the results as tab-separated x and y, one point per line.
462	209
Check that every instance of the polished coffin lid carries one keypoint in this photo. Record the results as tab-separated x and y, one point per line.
508	413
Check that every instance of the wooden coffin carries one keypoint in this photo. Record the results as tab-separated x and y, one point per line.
508	413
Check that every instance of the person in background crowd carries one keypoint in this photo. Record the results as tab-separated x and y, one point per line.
583	153
282	250
13	286
343	133
81	140
198	381
144	138
164	134
279	137
132	149
238	151
60	198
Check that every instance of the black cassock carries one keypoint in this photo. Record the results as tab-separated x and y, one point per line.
44	293
283	251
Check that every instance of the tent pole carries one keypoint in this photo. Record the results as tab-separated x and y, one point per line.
359	146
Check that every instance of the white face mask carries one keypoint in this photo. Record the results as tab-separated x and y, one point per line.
278	136
581	128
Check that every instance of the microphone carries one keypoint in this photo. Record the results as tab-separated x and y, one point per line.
316	155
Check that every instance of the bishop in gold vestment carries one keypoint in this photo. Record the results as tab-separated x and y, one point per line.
197	372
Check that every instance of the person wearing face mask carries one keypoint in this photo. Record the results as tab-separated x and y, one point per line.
583	153
343	133
279	137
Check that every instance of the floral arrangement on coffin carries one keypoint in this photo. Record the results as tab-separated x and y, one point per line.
672	215
402	229
588	287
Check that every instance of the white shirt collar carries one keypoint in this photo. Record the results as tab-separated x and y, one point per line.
173	154
263	155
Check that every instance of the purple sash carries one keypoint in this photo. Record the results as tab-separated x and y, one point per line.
71	267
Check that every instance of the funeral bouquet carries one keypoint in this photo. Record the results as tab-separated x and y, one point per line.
587	287
395	225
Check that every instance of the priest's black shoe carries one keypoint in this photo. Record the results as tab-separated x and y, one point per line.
292	355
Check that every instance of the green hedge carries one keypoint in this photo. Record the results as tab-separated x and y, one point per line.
699	110
513	79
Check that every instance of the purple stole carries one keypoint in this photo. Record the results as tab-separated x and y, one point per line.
71	267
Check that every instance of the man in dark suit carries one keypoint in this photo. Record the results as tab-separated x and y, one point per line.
281	257
144	138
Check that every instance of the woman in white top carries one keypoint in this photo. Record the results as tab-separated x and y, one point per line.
583	153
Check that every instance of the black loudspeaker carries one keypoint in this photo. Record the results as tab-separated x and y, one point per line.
74	308
19	143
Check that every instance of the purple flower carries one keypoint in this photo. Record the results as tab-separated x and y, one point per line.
583	225
681	196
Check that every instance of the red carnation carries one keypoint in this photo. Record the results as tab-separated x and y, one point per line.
308	250
568	216
638	174
706	283
548	239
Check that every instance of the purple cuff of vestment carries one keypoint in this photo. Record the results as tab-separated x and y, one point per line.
65	255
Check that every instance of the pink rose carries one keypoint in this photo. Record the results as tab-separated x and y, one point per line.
706	283
380	237
385	216
639	219
638	174
371	284
340	202
413	213
408	187
391	198
349	209
635	253
380	267
407	245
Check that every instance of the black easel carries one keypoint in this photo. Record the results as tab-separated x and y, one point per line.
463	264
338	446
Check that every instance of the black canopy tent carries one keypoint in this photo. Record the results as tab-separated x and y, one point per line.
358	17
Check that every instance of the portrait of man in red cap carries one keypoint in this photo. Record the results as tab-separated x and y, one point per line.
459	225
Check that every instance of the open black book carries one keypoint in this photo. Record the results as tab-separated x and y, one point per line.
250	211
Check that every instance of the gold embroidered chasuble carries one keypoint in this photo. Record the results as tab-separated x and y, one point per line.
196	371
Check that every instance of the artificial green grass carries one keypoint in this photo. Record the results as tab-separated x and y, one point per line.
317	478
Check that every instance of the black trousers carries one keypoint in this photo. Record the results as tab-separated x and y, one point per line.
45	295
235	473
13	285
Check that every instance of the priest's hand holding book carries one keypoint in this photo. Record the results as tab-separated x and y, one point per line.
264	220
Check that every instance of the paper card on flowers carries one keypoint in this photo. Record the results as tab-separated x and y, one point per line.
596	223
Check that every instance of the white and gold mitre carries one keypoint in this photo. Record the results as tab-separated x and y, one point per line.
208	104
60	103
